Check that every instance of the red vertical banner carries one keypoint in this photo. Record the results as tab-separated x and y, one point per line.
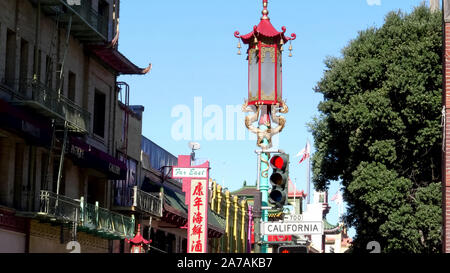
198	210
195	186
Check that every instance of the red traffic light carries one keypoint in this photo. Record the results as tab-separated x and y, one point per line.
278	162
293	249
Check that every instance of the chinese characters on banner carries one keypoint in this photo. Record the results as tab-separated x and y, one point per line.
197	216
195	186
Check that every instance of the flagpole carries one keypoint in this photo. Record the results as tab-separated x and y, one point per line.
308	182
295	191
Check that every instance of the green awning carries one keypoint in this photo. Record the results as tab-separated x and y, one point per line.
329	228
174	202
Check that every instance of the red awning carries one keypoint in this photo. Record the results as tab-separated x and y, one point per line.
117	60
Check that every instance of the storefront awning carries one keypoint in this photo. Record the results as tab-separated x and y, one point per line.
88	156
20	121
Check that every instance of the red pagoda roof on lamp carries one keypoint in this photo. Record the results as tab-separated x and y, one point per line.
138	239
265	29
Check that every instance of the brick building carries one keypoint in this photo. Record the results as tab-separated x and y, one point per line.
63	126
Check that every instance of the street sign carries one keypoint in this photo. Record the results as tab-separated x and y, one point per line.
292	228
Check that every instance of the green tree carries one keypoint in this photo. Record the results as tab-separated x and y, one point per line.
379	132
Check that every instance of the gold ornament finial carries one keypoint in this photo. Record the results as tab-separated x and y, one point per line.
265	11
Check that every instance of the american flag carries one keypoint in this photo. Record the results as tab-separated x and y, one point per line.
337	198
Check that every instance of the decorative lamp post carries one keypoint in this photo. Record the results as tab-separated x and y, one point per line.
138	243
265	101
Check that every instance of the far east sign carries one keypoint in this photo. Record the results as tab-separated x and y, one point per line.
292	228
195	186
190	172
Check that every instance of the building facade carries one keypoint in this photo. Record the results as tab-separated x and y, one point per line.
59	142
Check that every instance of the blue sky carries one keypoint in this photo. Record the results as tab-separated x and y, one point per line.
193	51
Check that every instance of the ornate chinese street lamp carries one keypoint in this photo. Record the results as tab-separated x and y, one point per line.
138	243
265	101
265	77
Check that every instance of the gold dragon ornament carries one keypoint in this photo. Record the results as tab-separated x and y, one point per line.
266	133
269	132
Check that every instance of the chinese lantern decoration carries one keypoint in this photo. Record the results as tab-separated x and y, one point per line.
138	243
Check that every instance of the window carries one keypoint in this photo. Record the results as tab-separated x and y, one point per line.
18	175
103	11
23	74
99	113
96	191
10	68
123	189
71	87
44	170
48	71
37	64
321	197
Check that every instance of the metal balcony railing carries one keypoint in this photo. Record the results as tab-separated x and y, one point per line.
47	100
122	225
147	202
89	218
59	207
93	18
89	25
105	222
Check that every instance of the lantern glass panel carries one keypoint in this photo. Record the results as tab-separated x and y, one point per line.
268	73
253	75
279	77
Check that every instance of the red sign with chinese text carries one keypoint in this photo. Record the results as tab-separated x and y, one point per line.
195	186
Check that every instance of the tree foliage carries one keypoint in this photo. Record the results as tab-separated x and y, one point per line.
379	132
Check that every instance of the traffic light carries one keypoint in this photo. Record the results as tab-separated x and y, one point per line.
293	249
279	180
